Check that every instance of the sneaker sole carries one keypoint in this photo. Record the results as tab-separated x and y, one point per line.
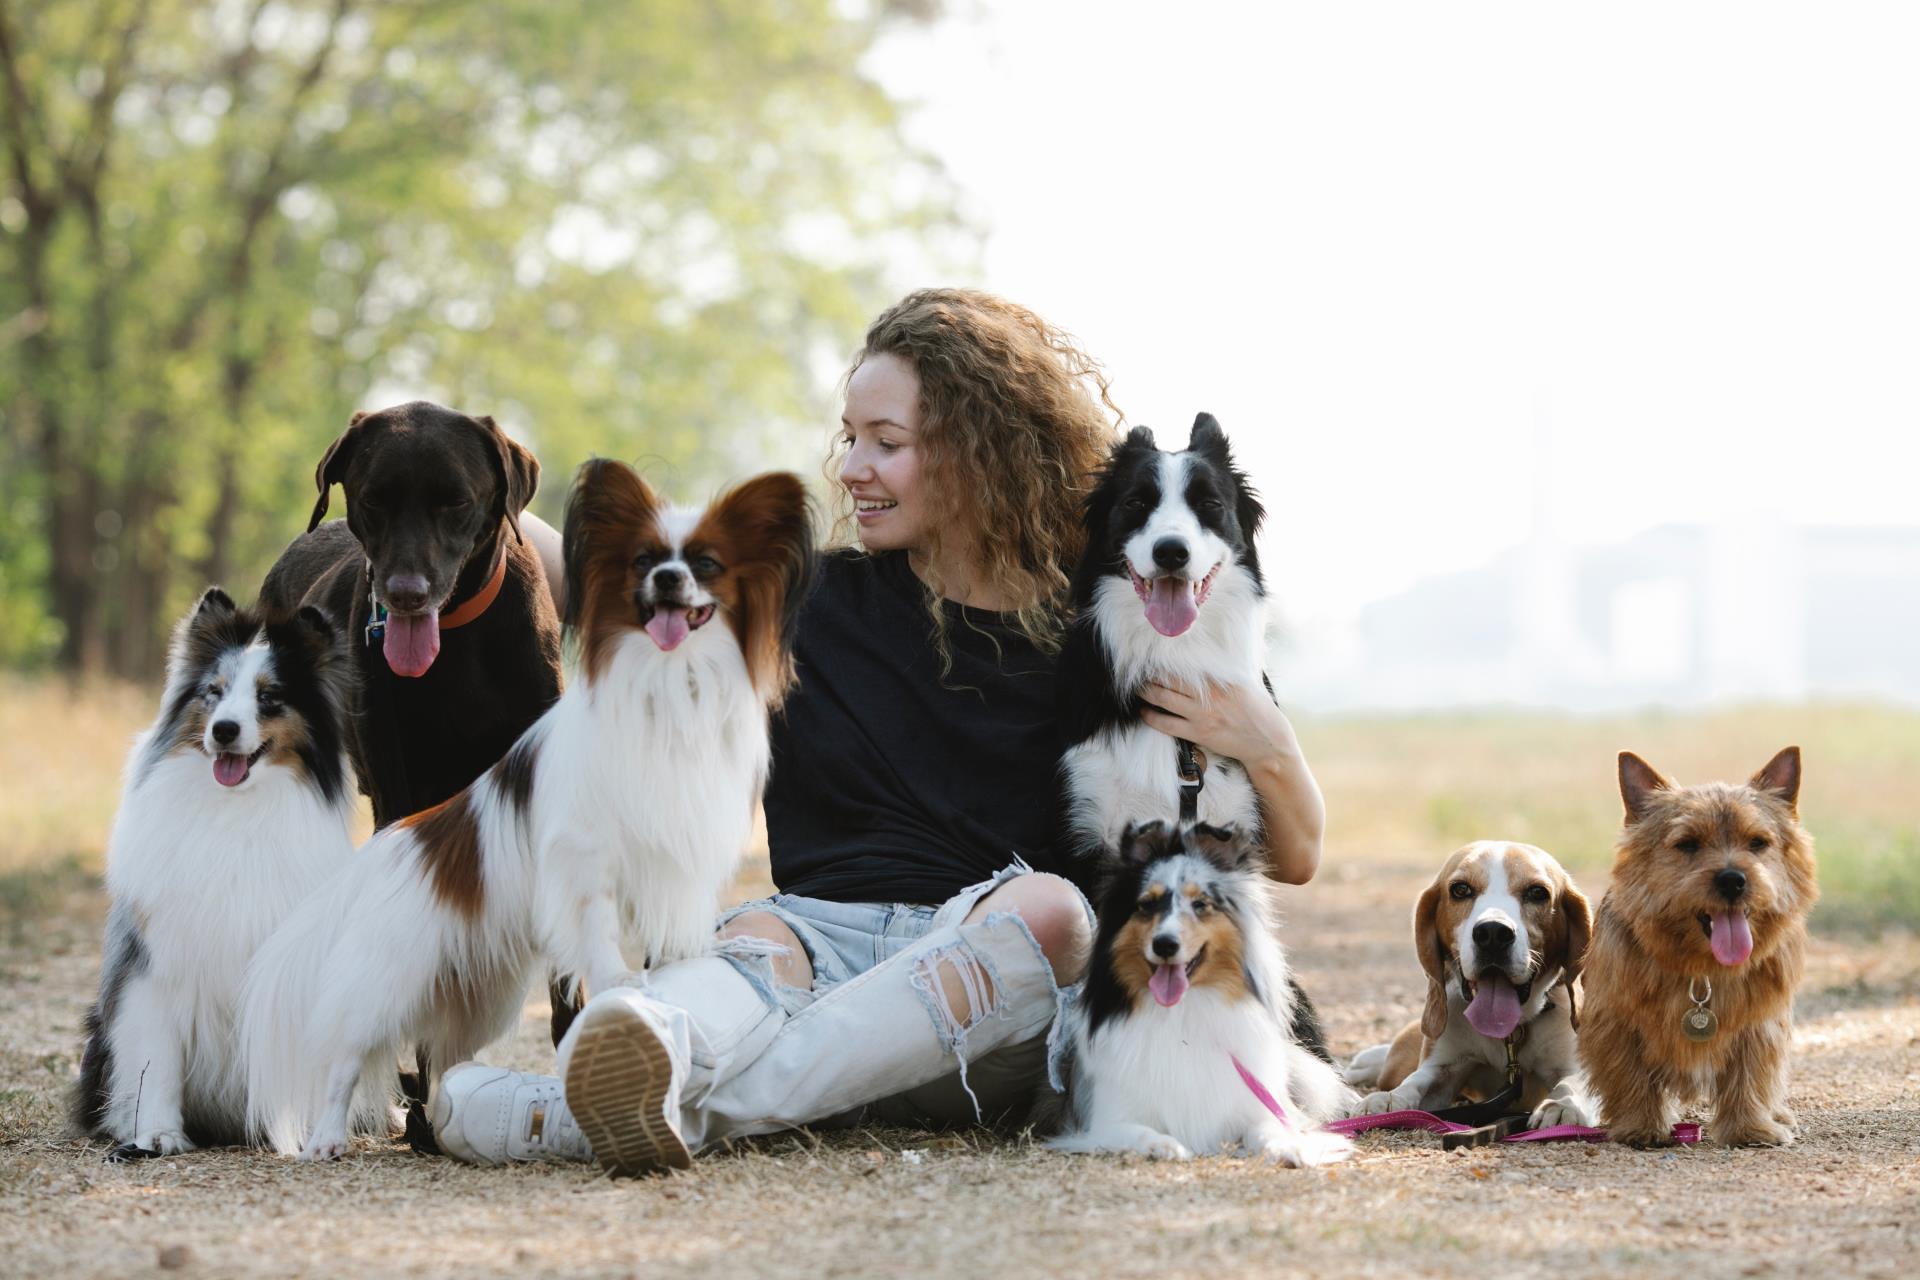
617	1081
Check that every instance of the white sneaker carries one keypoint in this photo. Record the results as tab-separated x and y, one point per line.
488	1115
623	1086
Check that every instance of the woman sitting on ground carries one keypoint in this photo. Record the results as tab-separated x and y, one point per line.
912	964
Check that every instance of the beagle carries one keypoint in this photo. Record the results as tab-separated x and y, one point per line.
1501	933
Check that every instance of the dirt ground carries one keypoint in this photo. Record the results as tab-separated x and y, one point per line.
1845	1200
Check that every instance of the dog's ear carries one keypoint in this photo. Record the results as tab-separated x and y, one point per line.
214	603
1638	783
764	529
1208	439
1225	847
1432	950
609	507
1576	935
1782	778
333	467
1138	438
1142	842
515	470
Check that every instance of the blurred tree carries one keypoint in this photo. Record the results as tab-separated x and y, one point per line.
642	229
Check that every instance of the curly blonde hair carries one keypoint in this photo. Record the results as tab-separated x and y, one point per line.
1012	430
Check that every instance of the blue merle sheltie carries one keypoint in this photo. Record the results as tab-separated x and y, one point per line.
235	807
1182	1042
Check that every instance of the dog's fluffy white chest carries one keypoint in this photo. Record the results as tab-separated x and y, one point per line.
1173	1070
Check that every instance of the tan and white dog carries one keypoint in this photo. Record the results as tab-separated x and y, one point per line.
1501	933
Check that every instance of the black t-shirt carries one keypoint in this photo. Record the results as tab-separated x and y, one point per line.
889	783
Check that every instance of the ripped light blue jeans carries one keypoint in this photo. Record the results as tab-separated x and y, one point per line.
875	1038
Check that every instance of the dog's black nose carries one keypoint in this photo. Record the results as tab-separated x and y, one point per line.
406	592
1170	553
669	582
1165	947
1730	883
1493	938
225	731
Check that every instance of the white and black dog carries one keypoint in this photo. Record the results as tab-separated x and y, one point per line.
1182	1042
1170	585
236	807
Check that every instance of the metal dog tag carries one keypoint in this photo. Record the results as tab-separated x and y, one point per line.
1699	1024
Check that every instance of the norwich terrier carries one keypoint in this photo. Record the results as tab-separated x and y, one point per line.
1696	954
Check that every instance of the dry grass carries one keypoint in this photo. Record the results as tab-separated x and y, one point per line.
1845	1200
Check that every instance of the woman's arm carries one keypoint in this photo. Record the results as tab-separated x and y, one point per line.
1243	724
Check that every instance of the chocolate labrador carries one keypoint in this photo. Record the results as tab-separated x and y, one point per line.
456	639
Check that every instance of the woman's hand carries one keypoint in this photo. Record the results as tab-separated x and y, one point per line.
1242	723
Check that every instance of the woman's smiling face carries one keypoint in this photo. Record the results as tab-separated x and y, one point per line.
881	469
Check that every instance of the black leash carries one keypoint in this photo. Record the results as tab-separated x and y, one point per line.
1193	776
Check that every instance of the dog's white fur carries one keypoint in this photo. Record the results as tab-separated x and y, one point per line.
1546	1054
201	874
1162	1081
642	800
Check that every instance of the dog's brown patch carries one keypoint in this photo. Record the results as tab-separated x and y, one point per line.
1223	964
449	839
1127	954
1649	946
762	534
514	774
612	516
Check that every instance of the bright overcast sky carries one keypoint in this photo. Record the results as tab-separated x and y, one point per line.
1392	246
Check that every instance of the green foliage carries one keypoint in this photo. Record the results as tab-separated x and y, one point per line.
643	229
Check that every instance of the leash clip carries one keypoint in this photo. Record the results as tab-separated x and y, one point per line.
376	618
1192	770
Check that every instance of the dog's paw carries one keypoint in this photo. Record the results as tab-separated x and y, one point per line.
1162	1147
1640	1135
1376	1104
1308	1150
1557	1111
155	1142
1751	1133
1783	1115
325	1147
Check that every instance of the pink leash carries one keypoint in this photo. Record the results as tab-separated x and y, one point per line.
1685	1134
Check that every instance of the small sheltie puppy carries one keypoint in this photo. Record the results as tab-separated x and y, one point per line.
235	808
1187	1015
1696	955
619	816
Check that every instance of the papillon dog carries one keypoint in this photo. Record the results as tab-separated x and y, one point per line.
1182	1042
235	808
616	820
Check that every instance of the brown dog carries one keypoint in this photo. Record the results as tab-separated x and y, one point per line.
1697	953
1502	933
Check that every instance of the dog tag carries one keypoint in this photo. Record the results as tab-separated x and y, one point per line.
1698	1024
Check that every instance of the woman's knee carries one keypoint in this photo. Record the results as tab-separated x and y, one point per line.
793	969
1054	913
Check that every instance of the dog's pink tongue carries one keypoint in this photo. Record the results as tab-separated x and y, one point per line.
1731	939
1171	608
413	642
229	769
668	627
1168	983
1495	1010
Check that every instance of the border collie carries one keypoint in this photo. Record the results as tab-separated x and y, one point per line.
1182	1041
235	809
1169	586
619	816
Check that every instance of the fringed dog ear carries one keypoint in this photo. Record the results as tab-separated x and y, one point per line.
515	470
333	467
213	602
1225	847
1142	842
1639	781
1782	778
1432	949
1576	936
764	529
607	508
